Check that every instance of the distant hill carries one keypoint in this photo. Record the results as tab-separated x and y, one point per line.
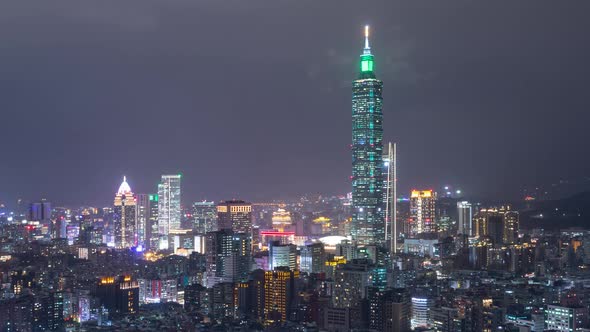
553	215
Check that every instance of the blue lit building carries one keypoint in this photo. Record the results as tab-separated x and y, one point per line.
368	212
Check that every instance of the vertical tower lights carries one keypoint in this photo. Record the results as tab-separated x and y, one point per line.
368	225
390	188
168	207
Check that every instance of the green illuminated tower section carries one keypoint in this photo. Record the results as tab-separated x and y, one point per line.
368	214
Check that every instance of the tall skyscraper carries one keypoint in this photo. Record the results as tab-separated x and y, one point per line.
390	196
422	211
152	238
368	212
205	216
465	218
142	214
168	207
235	215
124	216
511	226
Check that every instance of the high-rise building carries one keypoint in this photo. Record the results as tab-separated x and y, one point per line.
350	283
389	310
205	216
390	196
368	211
465	211
142	214
152	238
169	213
278	294
313	258
499	223
40	211
235	215
281	255
228	257
119	295
511	226
124	216
422	211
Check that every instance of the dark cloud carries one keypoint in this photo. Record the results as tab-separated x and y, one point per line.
252	98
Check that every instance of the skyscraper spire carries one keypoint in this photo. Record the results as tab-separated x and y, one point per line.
367	58
367	49
124	187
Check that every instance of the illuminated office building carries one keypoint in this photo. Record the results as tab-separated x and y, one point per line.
465	211
235	215
168	207
421	306
368	212
205	217
278	294
281	255
124	216
152	239
142	214
422	211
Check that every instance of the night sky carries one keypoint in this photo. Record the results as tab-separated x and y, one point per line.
252	99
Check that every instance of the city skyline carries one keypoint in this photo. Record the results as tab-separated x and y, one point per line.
465	206
465	77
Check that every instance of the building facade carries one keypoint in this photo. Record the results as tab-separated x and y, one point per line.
169	213
465	211
142	214
235	215
205	217
368	211
422	211
228	257
124	216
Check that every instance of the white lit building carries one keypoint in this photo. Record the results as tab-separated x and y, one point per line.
558	318
421	306
465	218
168	207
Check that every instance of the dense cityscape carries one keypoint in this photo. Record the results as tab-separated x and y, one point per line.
372	259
